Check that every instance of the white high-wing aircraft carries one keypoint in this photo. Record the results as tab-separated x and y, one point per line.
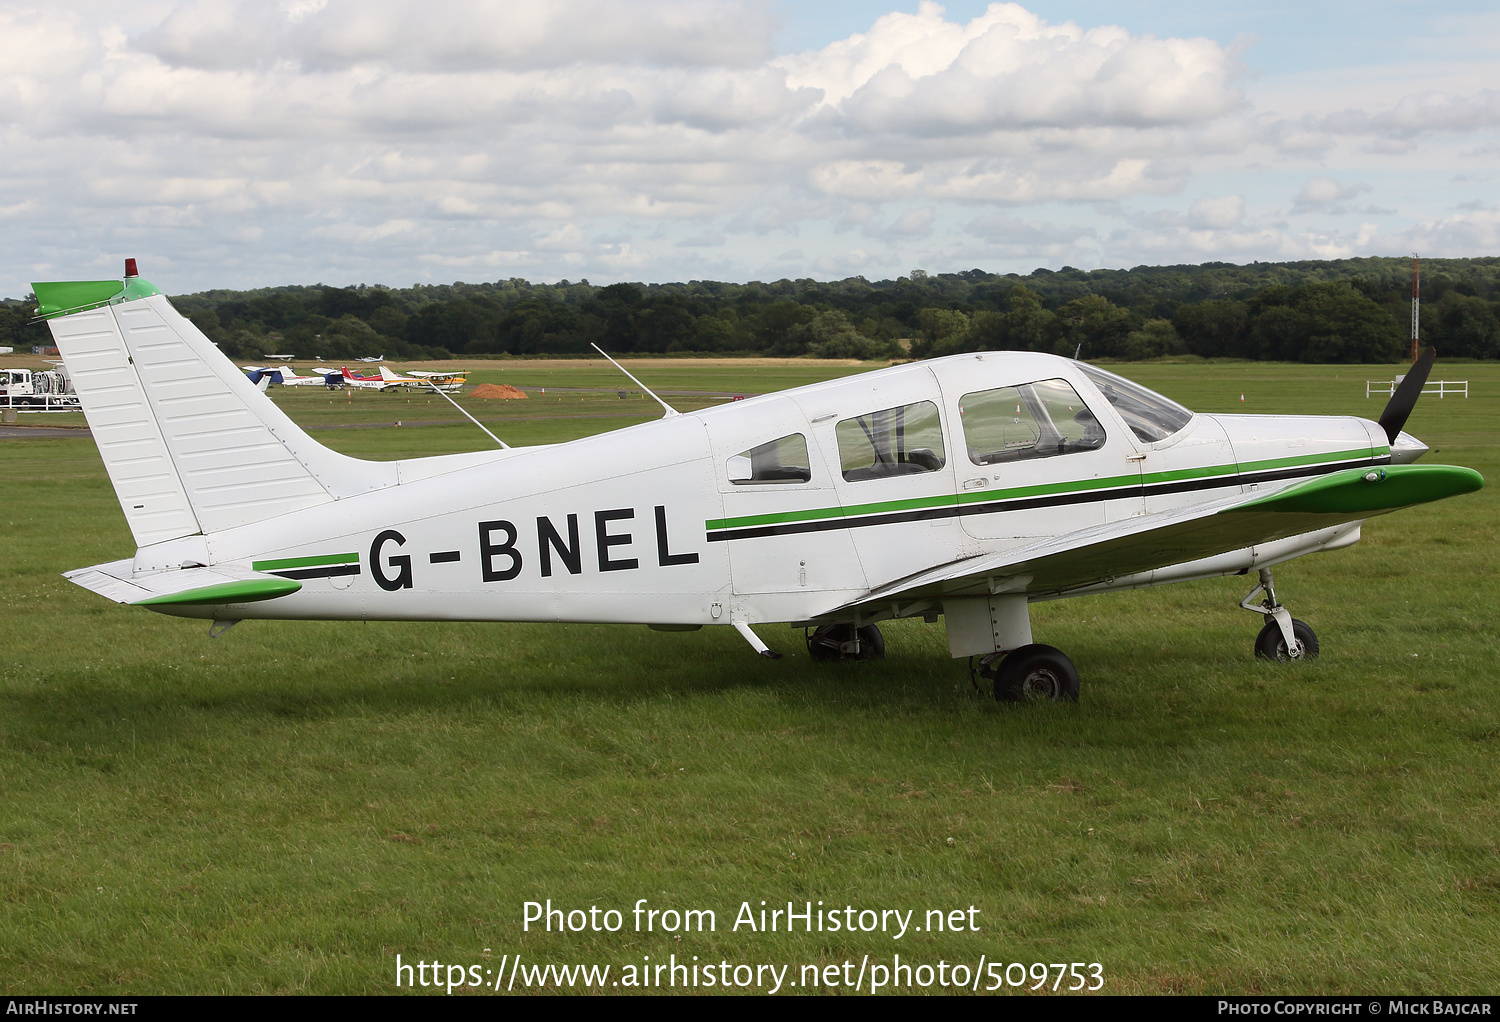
965	488
446	382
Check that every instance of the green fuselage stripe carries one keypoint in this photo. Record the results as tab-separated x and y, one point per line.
304	562
1042	489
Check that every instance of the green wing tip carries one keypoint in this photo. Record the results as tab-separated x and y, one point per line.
60	297
1371	490
248	591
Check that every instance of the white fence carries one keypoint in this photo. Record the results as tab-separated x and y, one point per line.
1441	388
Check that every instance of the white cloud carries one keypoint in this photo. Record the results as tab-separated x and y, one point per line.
302	139
880	180
914	223
1422	113
1325	191
1217	213
921	74
1468	232
461	35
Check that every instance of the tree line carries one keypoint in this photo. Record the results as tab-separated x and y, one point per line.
1351	310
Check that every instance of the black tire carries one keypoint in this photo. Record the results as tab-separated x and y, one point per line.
826	643
1270	645
1036	673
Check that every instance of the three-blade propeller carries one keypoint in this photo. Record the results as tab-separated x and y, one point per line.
1404	399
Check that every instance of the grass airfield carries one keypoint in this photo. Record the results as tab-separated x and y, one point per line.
287	808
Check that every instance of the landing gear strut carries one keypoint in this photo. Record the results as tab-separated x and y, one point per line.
845	642
1032	673
1283	637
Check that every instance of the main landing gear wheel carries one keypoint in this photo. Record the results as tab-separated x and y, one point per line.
1270	644
1034	673
845	642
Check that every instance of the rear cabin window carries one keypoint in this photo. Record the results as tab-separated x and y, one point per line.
780	461
905	440
1035	420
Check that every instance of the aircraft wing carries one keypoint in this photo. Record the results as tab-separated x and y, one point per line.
196	586
1102	553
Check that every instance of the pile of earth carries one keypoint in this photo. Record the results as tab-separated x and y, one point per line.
504	391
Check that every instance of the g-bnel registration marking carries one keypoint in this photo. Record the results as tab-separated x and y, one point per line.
500	551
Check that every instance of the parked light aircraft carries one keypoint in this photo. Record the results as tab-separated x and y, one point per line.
964	488
450	382
287	377
390	381
383	381
354	380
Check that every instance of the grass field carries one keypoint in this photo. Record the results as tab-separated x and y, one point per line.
287	808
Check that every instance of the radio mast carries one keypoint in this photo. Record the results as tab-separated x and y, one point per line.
1416	303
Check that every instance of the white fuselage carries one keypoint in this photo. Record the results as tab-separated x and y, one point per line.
648	524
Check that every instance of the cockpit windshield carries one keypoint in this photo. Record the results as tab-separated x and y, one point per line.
1150	416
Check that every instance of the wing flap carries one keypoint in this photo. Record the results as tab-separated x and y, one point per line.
1117	549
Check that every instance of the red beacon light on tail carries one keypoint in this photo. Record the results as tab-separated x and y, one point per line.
130	270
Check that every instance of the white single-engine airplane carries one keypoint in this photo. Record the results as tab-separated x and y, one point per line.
446	382
965	487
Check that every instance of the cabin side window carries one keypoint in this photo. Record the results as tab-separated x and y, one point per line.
1035	420
780	461
1150	416
905	440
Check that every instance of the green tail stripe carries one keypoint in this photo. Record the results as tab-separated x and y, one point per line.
58	298
305	562
1360	490
248	591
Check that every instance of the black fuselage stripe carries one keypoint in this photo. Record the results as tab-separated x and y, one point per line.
330	571
1031	503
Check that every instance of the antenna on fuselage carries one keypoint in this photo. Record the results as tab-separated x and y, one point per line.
670	410
455	404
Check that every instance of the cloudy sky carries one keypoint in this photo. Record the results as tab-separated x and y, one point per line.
241	143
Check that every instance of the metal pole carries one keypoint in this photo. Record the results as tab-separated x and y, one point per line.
1416	303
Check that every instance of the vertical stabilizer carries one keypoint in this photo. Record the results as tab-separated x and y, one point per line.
190	444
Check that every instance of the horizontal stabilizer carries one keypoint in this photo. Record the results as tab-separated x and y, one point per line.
183	587
1147	542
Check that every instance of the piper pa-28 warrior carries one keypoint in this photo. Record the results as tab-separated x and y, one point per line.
965	488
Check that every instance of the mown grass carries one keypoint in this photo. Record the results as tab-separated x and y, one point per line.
287	808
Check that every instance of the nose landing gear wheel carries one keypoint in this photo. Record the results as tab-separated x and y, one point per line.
844	642
1270	644
1032	673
